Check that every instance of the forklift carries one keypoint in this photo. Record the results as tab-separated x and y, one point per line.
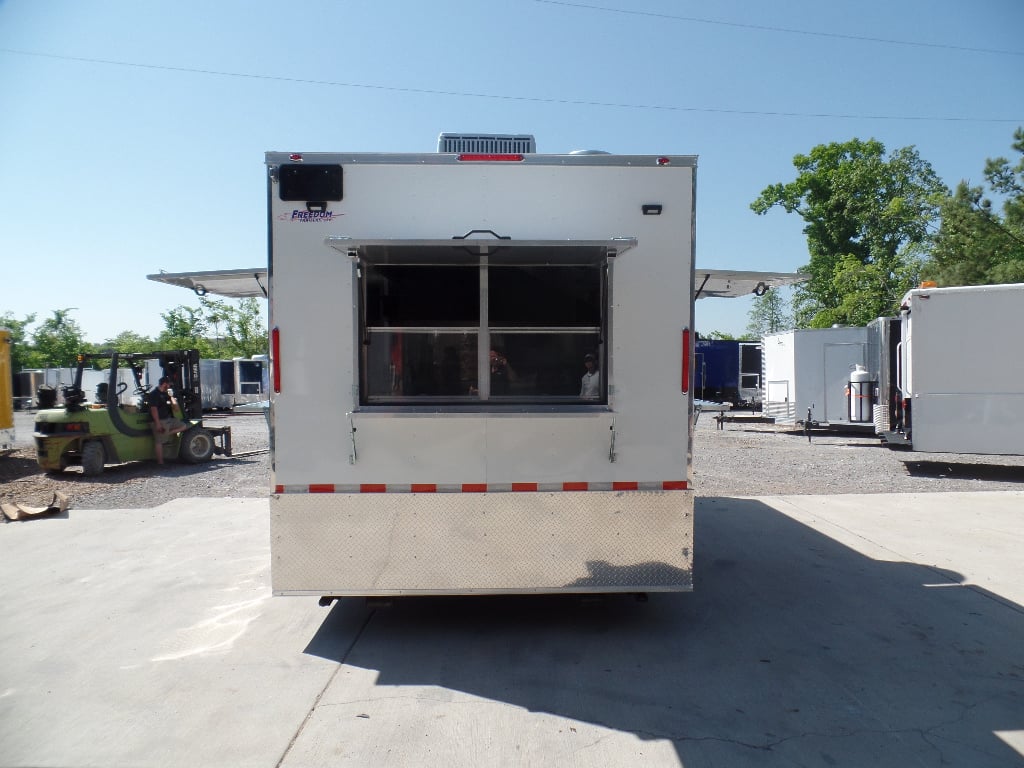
92	435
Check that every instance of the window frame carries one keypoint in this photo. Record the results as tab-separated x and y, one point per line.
483	254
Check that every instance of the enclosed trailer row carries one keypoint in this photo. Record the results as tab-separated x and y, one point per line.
945	376
225	383
728	371
240	381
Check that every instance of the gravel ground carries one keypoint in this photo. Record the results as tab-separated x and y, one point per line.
141	484
743	459
754	459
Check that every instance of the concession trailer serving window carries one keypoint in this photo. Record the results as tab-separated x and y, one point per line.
481	320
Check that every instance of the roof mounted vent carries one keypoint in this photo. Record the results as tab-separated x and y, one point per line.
484	143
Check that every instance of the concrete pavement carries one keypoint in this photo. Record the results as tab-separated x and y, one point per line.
881	630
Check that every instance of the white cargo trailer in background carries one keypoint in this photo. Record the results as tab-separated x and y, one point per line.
239	381
960	370
807	371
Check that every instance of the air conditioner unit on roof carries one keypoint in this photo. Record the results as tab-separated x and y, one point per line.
504	144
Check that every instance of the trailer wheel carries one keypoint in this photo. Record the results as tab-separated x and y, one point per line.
196	446
93	458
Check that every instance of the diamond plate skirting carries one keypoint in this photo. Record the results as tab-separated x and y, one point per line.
405	543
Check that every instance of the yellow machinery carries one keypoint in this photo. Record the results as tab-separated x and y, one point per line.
6	393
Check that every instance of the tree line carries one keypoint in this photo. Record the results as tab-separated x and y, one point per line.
218	329
879	224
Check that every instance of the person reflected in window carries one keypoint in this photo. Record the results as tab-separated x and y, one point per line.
502	374
590	384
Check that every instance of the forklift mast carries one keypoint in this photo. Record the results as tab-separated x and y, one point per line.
180	365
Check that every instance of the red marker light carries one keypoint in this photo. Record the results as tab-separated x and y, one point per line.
275	359
295	158
489	158
664	161
686	360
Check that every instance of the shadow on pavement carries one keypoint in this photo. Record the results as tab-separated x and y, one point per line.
993	472
793	650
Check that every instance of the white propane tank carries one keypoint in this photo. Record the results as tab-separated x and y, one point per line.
860	394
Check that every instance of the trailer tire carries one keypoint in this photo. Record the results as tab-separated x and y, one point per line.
93	458
196	446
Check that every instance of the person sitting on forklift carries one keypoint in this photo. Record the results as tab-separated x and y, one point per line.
165	425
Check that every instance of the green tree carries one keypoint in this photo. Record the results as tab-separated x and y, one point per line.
858	205
1009	180
185	328
769	313
718	335
975	245
247	334
216	313
21	352
130	341
868	291
57	341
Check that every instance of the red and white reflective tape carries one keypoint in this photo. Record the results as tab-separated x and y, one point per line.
628	485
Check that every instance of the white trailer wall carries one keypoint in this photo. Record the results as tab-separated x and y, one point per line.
520	498
809	369
964	368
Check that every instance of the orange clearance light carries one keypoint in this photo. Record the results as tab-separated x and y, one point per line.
929	284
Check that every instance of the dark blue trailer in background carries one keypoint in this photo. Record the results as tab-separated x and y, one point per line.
728	371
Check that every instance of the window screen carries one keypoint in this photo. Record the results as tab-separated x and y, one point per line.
421	295
431	332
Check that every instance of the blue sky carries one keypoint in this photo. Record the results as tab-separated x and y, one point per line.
133	133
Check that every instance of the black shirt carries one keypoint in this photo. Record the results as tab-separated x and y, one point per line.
161	401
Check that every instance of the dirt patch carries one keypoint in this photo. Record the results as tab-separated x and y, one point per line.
21	479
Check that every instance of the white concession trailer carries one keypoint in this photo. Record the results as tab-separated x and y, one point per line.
960	370
432	318
480	368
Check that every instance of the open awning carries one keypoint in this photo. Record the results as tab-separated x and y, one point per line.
469	250
233	283
245	283
731	284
